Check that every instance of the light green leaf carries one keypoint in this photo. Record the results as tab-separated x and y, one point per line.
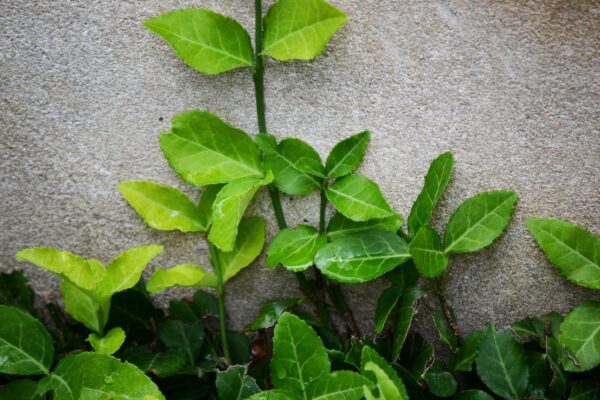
300	29
436	180
274	394
266	142
381	372
464	358
473	394
404	318
96	376
125	270
572	249
162	207
162	365
110	343
347	155
207	198
180	275
85	306
269	313
295	248
580	334
340	385
362	257
208	42
385	305
248	246
299	356
23	389
427	253
385	385
235	384
187	338
502	365
340	226
25	345
63	263
229	207
204	150
297	167
479	221
358	198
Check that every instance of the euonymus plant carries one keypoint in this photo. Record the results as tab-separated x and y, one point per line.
300	348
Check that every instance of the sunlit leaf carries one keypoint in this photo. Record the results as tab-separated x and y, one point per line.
110	343
340	226
295	248
580	333
427	253
380	372
248	246
347	155
358	198
85	306
180	275
340	385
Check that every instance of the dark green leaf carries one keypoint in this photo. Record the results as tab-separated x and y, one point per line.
445	335
14	291
580	334
184	337
538	328
538	374
385	305
20	390
441	384
269	313
234	384
436	180
473	394
340	226
559	381
416	355
405	277
347	155
427	253
295	248
585	390
463	359
358	198
162	365
404	318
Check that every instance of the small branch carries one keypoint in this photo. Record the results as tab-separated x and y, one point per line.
221	299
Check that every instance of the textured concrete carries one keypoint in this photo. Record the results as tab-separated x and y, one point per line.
513	88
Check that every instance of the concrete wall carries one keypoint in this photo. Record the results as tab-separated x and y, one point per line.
513	88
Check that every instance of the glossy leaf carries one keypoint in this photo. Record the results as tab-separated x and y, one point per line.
464	358
380	372
229	208
208	42
473	394
110	343
502	365
299	357
204	150
427	253
580	334
85	306
162	207
385	305
347	155
180	275
235	384
98	376
362	257
404	318
269	314
340	385
358	198
436	180
385	386
162	365
300	29
23	389
297	167
187	338
25	345
479	221
574	251
295	248
340	226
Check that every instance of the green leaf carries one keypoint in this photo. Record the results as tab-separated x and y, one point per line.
162	365
473	394
162	207
85	306
580	334
295	248
538	374
380	372
297	167
442	384
538	328
585	390
572	249
14	291
347	155
404	318
446	336
235	384
464	358
502	365
98	376
362	257
479	221
416	356
23	389
559	382
207	198
125	270
385	305
436	180
340	226
358	198
63	263
300	29
208	42
269	313
25	345
274	394
427	253
248	246
340	385
180	275
266	142
204	150
184	337
229	207
299	357
110	343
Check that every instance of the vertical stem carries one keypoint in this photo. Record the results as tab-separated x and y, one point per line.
438	289
221	299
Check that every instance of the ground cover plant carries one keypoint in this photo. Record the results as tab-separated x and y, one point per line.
111	342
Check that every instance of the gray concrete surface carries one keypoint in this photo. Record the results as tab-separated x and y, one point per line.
513	88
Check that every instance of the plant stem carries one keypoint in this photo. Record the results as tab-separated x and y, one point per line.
438	290
221	299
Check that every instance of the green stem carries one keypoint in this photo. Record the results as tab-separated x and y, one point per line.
221	299
447	311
